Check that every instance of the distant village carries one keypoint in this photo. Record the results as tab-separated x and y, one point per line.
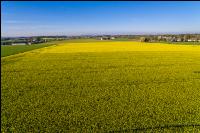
171	38
142	38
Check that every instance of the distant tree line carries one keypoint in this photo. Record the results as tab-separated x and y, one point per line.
171	38
142	38
29	40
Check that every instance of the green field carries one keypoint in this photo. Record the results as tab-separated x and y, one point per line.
102	87
11	50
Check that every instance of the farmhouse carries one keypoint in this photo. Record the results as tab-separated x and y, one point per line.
179	40
192	40
107	38
173	39
19	43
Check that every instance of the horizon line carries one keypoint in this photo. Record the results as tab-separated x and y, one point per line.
95	34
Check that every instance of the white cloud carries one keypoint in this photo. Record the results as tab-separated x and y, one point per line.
13	22
19	22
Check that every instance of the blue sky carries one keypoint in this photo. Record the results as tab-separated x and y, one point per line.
77	18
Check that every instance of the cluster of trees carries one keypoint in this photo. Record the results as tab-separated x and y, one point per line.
145	39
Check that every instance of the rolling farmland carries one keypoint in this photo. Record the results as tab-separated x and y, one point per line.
102	87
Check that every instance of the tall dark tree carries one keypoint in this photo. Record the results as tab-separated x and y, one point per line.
144	39
186	37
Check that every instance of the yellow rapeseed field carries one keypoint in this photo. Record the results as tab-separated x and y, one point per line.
102	87
117	46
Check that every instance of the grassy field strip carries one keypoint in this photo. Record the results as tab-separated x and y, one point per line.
36	50
11	50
